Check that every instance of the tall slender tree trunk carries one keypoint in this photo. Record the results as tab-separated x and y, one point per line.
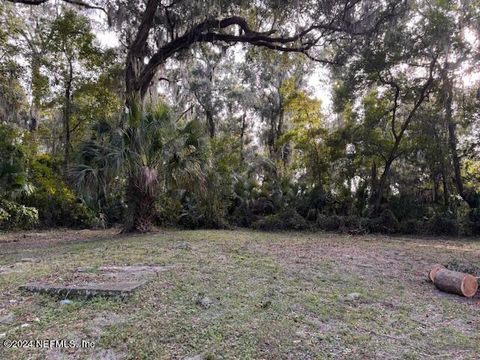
435	188
242	136
67	116
210	123
36	96
446	195
380	189
376	201
468	195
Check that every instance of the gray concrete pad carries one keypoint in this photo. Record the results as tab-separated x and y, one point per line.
107	281
117	289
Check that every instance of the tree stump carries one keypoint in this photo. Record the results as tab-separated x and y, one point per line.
455	282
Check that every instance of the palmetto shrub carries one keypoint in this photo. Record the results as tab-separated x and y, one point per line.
16	216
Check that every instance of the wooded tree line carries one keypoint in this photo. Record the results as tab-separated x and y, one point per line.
206	114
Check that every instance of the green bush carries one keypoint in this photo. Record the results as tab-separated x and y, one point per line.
443	224
168	209
263	206
57	205
411	226
351	224
330	223
190	215
463	266
288	219
406	206
241	215
355	225
4	218
14	155
194	214
471	223
386	223
16	216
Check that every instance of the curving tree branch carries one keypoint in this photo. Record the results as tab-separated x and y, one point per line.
139	76
235	29
73	2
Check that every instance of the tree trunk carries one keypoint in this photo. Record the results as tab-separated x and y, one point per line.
378	194
35	90
242	135
210	123
66	117
468	195
436	186
456	282
381	185
141	193
373	179
446	194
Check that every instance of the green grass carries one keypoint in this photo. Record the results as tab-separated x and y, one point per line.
274	296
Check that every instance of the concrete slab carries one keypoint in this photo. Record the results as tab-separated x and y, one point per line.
117	289
135	269
139	270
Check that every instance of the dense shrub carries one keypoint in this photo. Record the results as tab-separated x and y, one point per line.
472	222
443	224
463	266
330	223
190	214
406	207
242	215
16	216
411	226
57	205
14	155
191	220
194	214
168	209
4	217
263	206
386	223
197	220
355	225
351	224
288	219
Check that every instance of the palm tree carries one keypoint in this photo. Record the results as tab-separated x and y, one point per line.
151	152
97	172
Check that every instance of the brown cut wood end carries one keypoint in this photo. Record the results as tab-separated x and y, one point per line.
433	272
469	285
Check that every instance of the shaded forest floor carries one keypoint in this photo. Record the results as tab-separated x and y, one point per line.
242	294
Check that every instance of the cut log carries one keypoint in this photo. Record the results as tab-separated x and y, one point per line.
433	272
456	282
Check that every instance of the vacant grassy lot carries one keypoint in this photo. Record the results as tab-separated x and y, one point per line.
243	294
